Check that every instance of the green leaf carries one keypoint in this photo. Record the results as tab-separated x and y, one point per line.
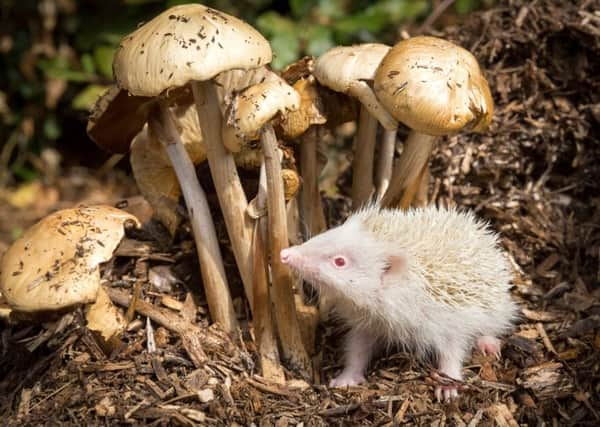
332	9
52	129
59	68
273	24
465	6
319	39
378	16
286	49
103	57
87	97
87	63
301	8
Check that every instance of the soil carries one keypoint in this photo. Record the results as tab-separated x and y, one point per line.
534	175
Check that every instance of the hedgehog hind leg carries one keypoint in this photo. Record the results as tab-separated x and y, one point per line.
489	345
360	346
450	362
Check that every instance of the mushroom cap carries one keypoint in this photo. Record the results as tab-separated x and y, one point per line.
434	87
55	264
116	118
254	107
153	170
185	43
311	111
347	69
291	183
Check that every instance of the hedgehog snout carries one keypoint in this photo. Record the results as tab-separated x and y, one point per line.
287	255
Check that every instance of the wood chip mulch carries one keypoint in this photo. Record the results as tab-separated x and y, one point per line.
535	175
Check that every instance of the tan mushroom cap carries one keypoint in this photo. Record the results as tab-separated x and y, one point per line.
347	69
153	170
434	87
55	264
185	43
254	107
116	118
311	111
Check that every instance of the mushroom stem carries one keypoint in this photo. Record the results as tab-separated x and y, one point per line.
283	295
263	322
414	157
422	196
226	180
385	162
362	164
310	186
205	236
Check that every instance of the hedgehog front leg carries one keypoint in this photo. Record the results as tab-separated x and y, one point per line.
360	346
450	362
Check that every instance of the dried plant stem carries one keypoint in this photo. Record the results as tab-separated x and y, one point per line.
362	164
385	162
282	287
205	236
408	168
227	182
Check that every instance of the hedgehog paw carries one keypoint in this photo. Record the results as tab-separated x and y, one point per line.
347	379
446	393
489	345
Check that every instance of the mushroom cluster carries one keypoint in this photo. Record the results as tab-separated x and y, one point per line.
193	84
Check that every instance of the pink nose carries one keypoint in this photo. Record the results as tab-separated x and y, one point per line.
285	256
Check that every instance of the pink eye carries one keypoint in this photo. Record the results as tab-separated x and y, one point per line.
339	261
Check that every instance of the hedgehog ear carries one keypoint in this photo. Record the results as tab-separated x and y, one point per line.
395	264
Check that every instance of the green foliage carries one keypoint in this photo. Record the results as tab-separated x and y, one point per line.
45	43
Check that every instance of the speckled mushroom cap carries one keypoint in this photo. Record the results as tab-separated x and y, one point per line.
347	69
185	43
55	263
254	107
434	87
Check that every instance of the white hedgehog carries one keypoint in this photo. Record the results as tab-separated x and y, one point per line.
431	279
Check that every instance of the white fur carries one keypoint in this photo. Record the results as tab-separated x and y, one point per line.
451	289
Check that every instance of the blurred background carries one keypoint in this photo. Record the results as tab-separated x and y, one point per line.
56	56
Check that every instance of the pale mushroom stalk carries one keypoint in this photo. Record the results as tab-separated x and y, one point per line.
348	69
205	236
262	314
362	163
226	180
285	309
405	179
422	195
385	162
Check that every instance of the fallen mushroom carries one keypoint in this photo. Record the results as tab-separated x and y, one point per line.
347	69
436	88
55	265
193	44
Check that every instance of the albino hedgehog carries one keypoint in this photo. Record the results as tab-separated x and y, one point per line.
430	279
